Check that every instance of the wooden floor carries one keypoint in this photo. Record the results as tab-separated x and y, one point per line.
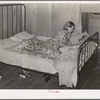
11	80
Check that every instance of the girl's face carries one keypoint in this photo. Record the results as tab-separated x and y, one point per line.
69	29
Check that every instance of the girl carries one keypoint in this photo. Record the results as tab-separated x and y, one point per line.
64	36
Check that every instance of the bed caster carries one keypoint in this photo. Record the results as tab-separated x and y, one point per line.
46	77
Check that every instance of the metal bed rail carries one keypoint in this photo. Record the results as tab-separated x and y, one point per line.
12	19
87	58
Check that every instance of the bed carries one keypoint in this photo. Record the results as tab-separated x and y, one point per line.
72	66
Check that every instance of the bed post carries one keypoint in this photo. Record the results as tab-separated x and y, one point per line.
24	17
78	61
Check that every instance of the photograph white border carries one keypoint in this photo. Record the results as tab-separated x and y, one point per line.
49	93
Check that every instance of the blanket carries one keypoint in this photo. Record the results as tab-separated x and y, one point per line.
66	65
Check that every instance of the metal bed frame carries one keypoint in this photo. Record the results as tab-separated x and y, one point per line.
18	11
88	64
92	61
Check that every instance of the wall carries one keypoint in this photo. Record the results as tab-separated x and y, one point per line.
47	19
43	25
31	18
94	24
59	17
90	7
38	19
93	20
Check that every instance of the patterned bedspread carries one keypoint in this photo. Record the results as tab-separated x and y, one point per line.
49	47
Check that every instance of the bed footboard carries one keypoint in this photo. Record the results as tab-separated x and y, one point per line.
87	58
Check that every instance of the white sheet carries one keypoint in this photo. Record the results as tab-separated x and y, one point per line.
10	57
38	63
14	57
67	67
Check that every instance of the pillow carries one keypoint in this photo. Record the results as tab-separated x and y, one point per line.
20	36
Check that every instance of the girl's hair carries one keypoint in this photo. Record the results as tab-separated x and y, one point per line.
69	24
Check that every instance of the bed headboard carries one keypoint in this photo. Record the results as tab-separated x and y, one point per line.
12	19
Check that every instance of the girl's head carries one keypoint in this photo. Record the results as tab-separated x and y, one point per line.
69	27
